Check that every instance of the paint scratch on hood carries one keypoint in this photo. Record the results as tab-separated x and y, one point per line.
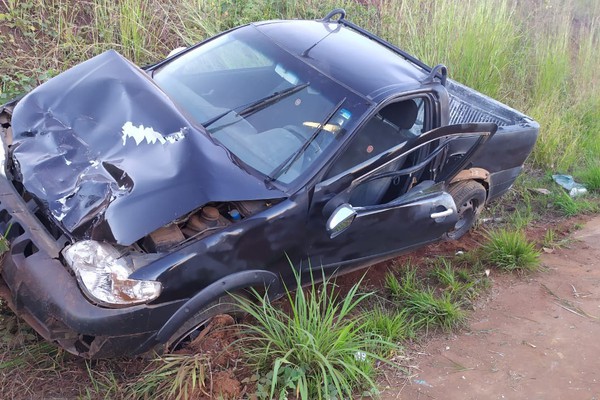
141	133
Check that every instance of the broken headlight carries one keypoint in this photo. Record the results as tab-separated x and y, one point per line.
103	275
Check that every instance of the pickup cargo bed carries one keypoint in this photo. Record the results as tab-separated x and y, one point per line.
468	105
503	156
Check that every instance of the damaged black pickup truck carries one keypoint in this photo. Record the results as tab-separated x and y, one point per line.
136	199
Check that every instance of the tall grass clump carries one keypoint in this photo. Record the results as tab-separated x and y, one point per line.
565	91
389	325
459	286
510	251
591	177
570	207
319	350
477	46
425	308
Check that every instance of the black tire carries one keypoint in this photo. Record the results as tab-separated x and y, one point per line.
469	197
194	325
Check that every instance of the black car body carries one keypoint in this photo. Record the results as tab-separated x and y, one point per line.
137	197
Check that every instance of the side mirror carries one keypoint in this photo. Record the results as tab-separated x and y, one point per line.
340	220
175	51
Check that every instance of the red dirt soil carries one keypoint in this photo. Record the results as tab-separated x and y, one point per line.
537	338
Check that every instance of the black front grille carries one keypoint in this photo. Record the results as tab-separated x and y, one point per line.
36	210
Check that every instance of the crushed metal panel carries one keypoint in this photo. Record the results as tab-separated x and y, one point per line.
111	158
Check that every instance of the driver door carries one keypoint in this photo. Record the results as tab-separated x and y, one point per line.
393	202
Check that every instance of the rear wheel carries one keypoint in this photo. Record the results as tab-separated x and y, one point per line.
469	197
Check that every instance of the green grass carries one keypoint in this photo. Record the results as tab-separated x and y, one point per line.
425	308
570	207
402	288
318	350
531	55
388	324
510	250
549	240
104	382
429	310
590	177
458	284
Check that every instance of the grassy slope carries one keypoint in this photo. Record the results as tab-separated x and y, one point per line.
536	56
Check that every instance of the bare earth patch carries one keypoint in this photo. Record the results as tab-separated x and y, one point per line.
537	338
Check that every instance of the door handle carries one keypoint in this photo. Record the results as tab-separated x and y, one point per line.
442	214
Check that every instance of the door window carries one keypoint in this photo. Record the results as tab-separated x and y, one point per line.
394	124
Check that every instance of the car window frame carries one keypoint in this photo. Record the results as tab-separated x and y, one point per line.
374	163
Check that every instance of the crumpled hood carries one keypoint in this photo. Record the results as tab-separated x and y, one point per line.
111	158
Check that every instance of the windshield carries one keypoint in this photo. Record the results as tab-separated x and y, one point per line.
272	111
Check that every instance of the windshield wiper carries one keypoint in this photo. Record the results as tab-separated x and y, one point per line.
285	166
251	108
271	99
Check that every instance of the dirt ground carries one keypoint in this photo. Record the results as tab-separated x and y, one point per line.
536	338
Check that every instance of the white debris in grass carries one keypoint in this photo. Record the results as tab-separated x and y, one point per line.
147	134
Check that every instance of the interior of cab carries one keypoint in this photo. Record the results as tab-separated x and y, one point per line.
396	123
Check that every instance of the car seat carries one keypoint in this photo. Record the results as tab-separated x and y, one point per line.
390	128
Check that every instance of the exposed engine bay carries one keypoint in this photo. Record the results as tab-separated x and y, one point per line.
200	223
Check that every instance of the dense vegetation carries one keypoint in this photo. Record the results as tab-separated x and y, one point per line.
537	56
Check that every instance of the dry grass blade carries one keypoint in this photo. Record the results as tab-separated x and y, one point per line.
567	305
457	366
173	376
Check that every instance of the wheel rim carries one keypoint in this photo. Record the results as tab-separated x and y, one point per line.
466	215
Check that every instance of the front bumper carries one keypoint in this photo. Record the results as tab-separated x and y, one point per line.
38	288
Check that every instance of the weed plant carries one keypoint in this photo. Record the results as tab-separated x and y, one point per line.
102	381
425	308
570	207
510	250
391	325
591	176
459	285
322	349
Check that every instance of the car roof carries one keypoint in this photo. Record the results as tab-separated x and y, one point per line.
345	55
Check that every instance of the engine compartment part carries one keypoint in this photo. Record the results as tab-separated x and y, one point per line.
163	238
200	223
